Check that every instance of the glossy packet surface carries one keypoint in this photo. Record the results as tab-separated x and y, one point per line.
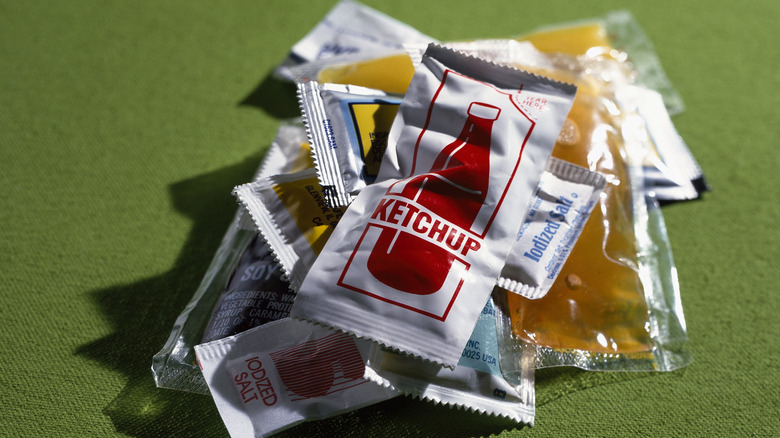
349	32
174	366
283	373
561	206
348	128
475	384
415	257
291	214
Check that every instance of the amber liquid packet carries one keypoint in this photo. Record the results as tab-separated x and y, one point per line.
348	127
615	303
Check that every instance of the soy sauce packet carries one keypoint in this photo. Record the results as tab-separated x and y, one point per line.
415	257
348	128
255	294
283	373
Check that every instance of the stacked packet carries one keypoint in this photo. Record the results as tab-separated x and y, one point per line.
443	220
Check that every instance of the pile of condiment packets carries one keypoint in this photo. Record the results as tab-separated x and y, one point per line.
444	219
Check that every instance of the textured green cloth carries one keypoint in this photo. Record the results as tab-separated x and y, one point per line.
124	126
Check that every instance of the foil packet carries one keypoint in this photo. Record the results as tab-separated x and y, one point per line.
348	127
291	214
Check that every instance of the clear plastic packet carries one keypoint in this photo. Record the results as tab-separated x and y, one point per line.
286	372
174	366
255	294
349	32
348	128
615	304
414	253
671	171
616	35
291	214
561	206
476	384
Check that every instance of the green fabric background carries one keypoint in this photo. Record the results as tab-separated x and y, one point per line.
124	126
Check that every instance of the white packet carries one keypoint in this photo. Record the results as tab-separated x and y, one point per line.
415	256
561	206
283	373
349	32
347	127
475	384
291	214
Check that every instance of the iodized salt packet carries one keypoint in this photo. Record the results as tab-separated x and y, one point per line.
415	257
275	376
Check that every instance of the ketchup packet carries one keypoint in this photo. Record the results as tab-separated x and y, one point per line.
349	32
291	214
283	373
476	384
671	172
348	128
415	257
561	206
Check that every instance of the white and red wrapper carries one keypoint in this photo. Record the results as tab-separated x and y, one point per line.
283	373
416	255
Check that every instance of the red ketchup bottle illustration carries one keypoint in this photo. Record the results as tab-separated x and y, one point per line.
454	189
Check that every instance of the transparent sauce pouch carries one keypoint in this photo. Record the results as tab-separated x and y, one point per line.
290	212
286	372
174	366
349	32
476	384
616	35
415	257
615	303
561	206
348	128
255	294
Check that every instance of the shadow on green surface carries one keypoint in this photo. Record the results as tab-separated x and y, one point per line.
142	315
266	97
